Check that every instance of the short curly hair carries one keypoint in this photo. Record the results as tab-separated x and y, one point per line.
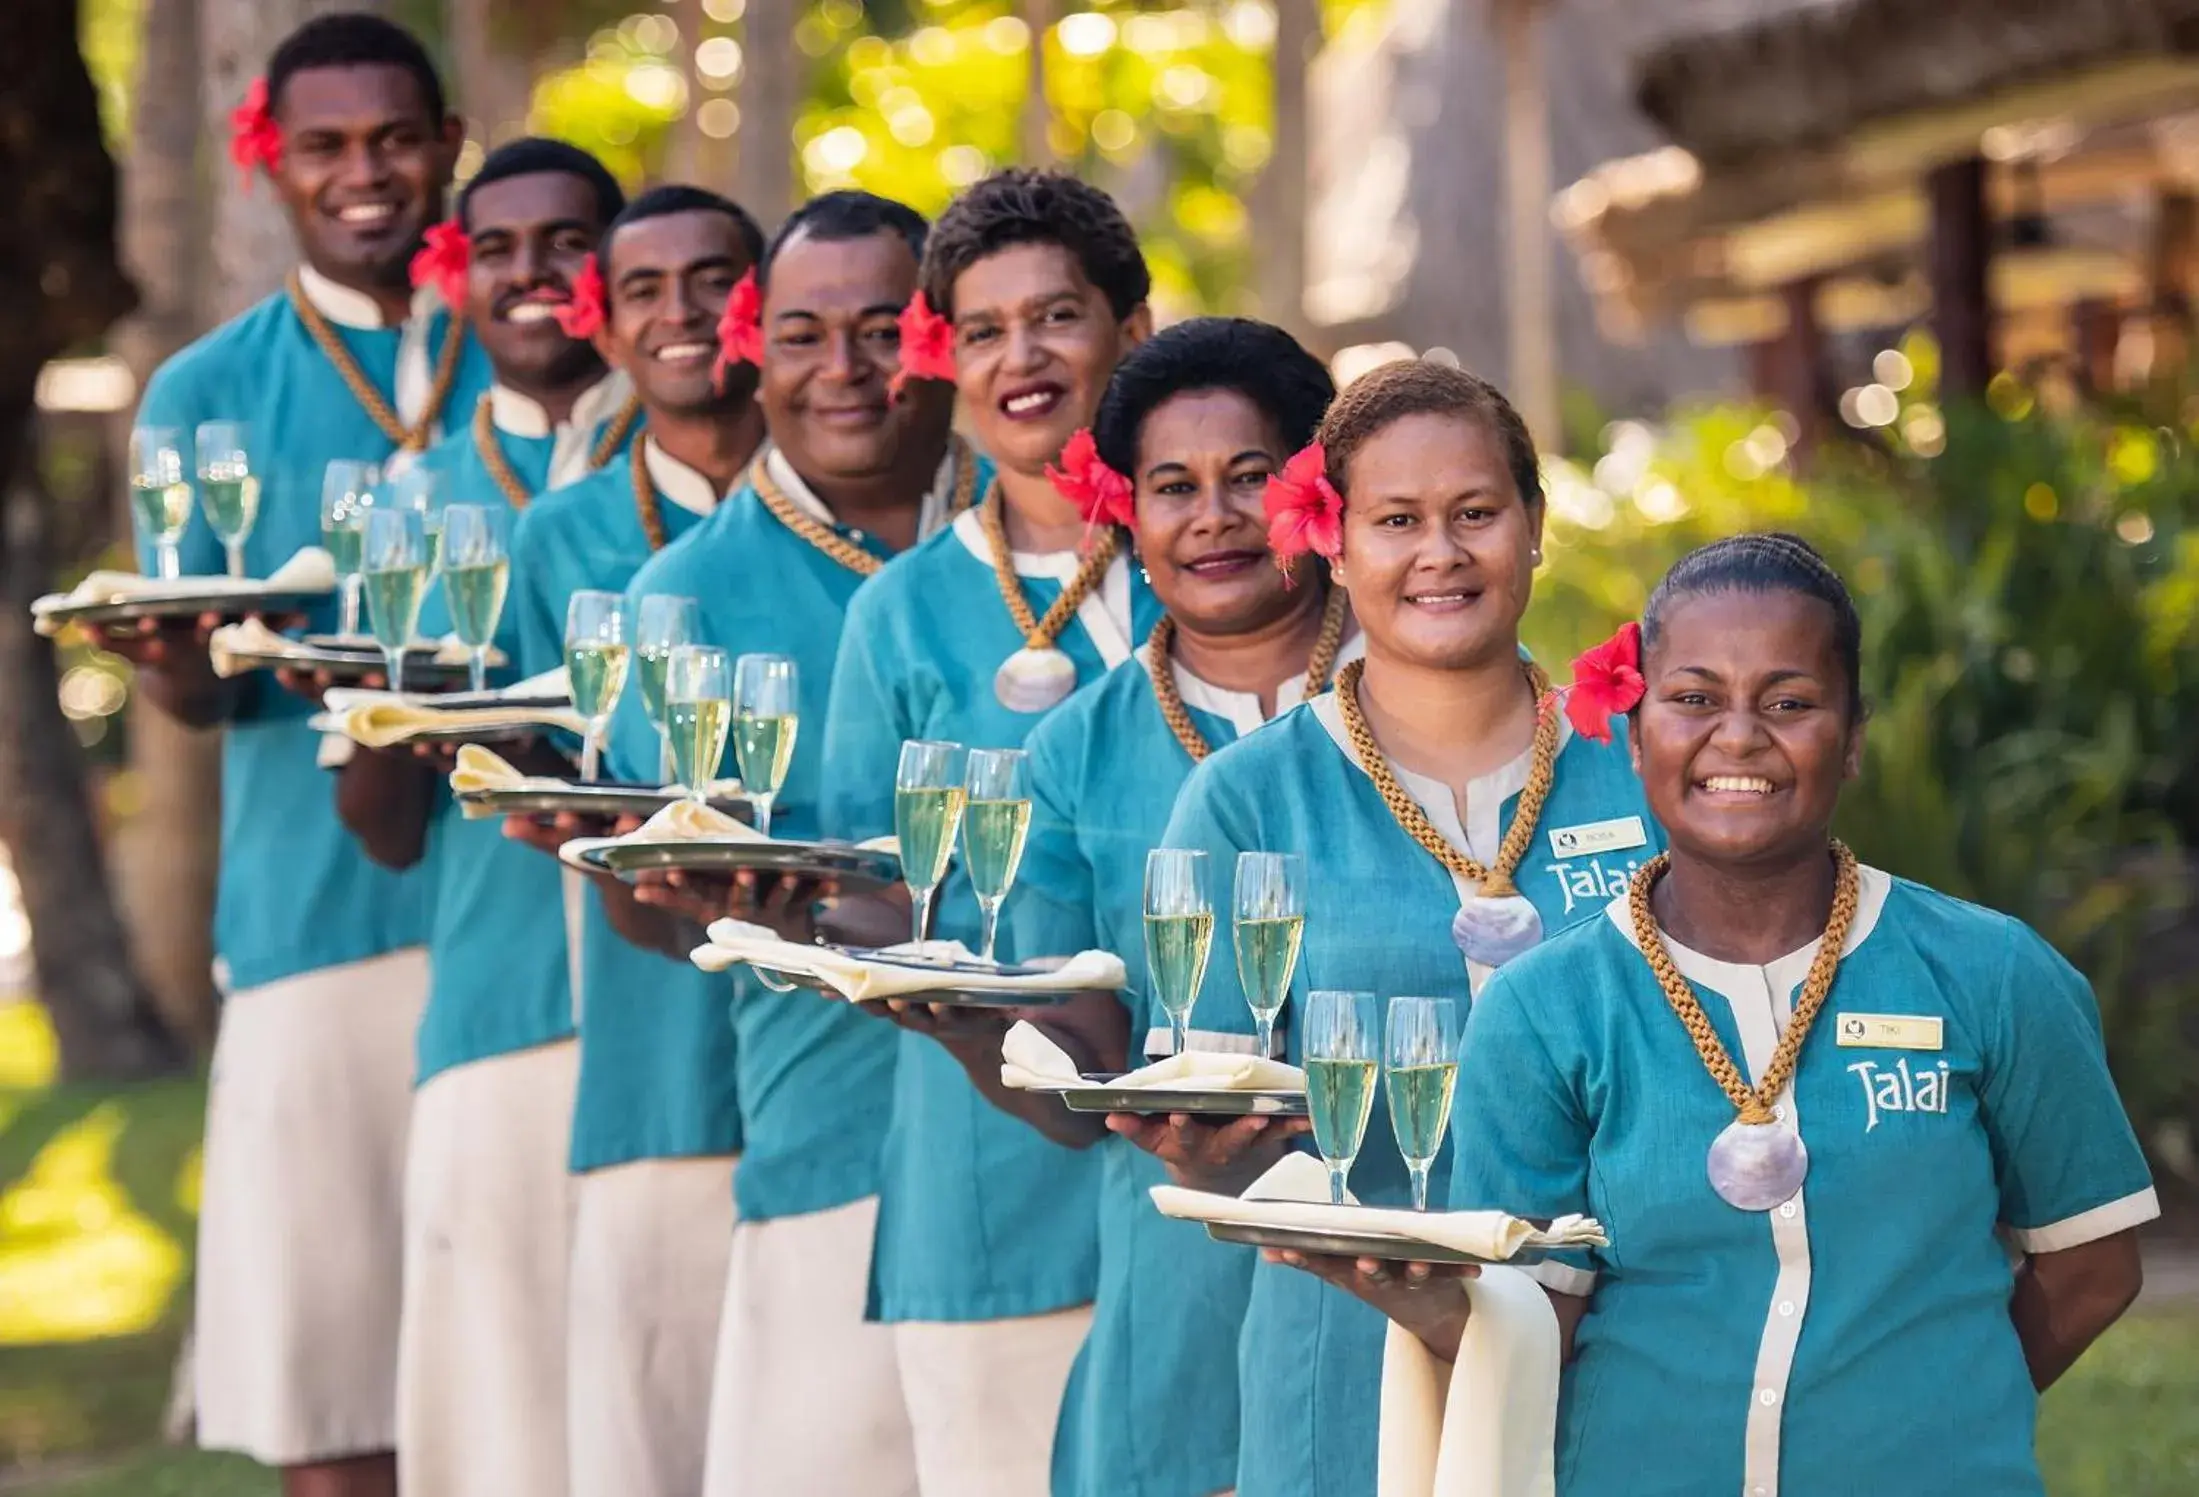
1415	387
1261	362
1020	206
351	39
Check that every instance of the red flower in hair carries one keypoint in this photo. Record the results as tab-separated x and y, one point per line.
445	253
1607	680
1304	511
741	329
582	317
255	140
1102	496
927	344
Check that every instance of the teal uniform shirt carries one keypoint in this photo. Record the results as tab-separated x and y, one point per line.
656	1047
496	938
1857	1338
814	1075
296	894
979	1217
1378	919
1151	1407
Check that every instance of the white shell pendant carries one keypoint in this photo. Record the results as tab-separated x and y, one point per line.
1034	680
1492	931
1756	1166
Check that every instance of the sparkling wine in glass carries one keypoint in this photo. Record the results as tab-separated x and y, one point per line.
1341	1049
596	654
698	712
347	493
767	706
477	572
228	488
994	823
420	490
394	563
663	623
1270	923
1420	1066
928	795
1179	933
160	493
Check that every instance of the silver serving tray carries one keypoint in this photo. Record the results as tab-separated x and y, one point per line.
859	871
347	666
1152	1101
229	605
592	800
1382	1245
948	994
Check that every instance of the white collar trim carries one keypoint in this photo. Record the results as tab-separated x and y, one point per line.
1105	613
521	415
931	514
1241	709
684	486
355	309
1732	980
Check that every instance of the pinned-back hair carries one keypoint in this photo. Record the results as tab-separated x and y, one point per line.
351	39
673	197
1415	387
1021	206
536	154
1254	359
1764	562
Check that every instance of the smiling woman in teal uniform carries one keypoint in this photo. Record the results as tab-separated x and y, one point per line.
1432	789
1813	1164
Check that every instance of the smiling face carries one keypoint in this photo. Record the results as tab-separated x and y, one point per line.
1747	727
531	235
1439	550
832	344
364	165
1034	344
1204	459
668	278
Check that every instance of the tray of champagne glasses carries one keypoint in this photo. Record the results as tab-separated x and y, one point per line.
856	870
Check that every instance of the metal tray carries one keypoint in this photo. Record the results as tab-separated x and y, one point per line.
956	997
858	870
230	605
1152	1101
606	800
348	666
1383	1245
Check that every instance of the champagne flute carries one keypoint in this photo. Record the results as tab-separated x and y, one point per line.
698	709
394	562
1271	921
477	571
1420	1069
347	492
766	714
418	489
927	807
994	824
664	622
160	493
1341	1045
595	662
1179	933
228	487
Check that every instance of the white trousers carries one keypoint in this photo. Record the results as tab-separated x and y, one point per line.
300	1249
650	1244
488	1233
808	1396
984	1399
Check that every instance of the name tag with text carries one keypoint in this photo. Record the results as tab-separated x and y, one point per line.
1890	1031
1590	838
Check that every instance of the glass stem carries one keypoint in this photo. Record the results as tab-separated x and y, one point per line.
920	912
1419	1169
396	659
1264	1025
591	751
664	756
236	558
348	623
1339	1172
171	561
1179	1032
477	669
762	805
990	908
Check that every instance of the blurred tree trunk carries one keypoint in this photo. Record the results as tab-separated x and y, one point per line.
60	285
1279	196
774	78
1034	123
166	855
492	81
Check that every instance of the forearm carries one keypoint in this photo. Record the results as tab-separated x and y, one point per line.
649	927
2063	1301
197	699
384	801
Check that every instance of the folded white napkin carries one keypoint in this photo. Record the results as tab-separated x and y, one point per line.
384	719
733	942
312	570
1295	1193
1032	1062
686	820
1486	1425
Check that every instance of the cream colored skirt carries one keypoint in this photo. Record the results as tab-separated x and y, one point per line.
650	1244
984	1399
300	1250
481	1384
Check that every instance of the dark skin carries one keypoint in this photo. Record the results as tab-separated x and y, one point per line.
1747	730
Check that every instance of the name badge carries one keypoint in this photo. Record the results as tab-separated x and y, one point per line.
1615	835
1889	1031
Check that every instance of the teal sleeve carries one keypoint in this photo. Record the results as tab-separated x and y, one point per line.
1207	818
2062	1144
863	732
1052	913
537	607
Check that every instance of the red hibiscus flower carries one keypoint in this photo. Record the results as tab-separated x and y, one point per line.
1102	496
927	344
582	317
741	329
255	140
445	253
1304	511
1607	680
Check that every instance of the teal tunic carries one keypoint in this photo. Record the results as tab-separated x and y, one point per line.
1856	1339
656	1047
1151	1407
979	1217
815	1077
1378	918
496	939
296	894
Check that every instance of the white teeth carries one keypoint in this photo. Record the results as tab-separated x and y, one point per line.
1739	784
675	353
1021	403
365	213
531	312
1435	598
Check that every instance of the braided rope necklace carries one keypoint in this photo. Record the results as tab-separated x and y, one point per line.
508	480
414	438
829	541
646	504
1320	665
1039	675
